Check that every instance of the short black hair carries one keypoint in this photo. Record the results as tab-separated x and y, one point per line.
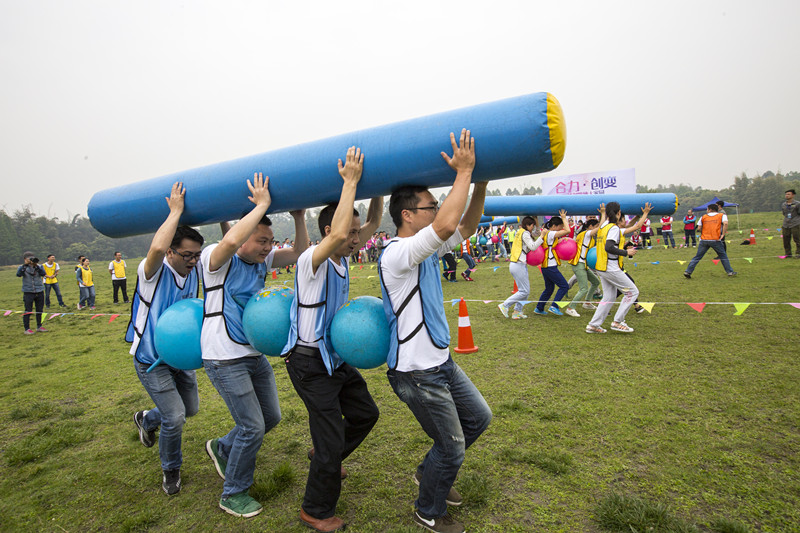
326	216
265	221
554	221
713	207
528	220
50	255
80	257
720	203
186	232
404	198
791	191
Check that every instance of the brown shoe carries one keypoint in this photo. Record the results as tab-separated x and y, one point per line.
311	456
324	525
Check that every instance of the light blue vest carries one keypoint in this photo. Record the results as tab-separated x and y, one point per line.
242	281
433	318
333	295
167	292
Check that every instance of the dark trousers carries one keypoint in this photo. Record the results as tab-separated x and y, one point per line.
552	277
788	235
449	261
120	284
31	298
341	413
646	239
47	288
690	235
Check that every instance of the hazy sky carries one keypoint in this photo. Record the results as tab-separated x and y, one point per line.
97	94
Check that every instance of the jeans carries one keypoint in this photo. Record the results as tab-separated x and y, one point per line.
702	248
453	413
87	296
47	288
174	392
552	277
583	277
120	284
668	237
646	239
29	299
690	234
470	264
341	413
247	386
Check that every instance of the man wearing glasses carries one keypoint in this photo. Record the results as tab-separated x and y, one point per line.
421	372
166	275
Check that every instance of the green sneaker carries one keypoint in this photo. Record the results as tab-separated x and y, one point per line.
212	449
241	504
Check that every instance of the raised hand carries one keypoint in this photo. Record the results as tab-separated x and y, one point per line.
463	153
176	197
646	209
353	167
259	190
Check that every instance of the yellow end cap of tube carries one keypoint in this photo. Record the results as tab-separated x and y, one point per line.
558	129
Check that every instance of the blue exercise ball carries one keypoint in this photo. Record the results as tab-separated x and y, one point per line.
177	335
591	257
266	320
360	332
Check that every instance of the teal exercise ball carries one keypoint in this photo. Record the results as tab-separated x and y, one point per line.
177	334
359	332
266	320
591	258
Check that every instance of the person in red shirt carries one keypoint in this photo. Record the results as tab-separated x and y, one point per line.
666	231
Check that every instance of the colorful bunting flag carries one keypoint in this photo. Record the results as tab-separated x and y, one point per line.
697	307
648	306
655	262
748	259
112	319
681	262
7	313
95	316
795	305
715	261
740	308
562	304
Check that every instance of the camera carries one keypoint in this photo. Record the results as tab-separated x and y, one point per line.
34	260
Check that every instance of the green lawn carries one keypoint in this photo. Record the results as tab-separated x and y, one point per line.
689	424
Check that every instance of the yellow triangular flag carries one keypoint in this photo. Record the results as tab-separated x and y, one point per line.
681	262
562	304
769	238
44	315
749	259
740	232
372	266
740	308
648	306
665	246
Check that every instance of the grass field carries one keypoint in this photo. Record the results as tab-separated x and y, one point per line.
689	424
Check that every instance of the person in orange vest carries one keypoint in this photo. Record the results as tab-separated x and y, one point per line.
713	227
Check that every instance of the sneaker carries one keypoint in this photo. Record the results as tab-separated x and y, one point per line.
469	278
587	305
148	438
537	312
443	524
638	308
62	305
594	329
92	308
42	329
731	274
687	275
555	310
622	327
517	315
172	481
212	449
571	312
464	275
29	331
80	307
453	497
242	505
503	309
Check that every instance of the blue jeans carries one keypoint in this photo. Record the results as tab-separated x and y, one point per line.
668	237
702	248
453	413
87	296
247	385
47	288
552	277
175	394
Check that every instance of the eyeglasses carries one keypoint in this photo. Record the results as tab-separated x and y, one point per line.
187	256
433	208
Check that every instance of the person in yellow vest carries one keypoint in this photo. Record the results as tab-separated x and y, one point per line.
555	229
610	251
508	239
51	269
117	270
86	284
584	276
527	239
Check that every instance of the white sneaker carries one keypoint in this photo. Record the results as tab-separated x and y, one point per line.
516	315
571	312
587	305
622	327
503	309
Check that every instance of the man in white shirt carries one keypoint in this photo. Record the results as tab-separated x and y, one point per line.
118	278
233	271
444	401
341	411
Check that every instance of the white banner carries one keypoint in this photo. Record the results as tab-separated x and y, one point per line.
609	182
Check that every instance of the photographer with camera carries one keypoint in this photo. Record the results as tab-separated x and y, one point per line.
32	275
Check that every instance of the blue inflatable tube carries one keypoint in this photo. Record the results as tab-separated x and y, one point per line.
578	204
514	137
497	221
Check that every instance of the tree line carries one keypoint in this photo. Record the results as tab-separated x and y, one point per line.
23	230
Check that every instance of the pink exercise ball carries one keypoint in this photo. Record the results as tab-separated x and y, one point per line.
495	239
566	249
535	257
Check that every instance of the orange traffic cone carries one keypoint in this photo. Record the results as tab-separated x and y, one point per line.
465	342
274	274
515	289
752	236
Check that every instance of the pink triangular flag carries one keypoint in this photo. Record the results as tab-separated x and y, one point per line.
54	315
487	301
795	305
95	316
715	261
7	313
697	307
112	319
